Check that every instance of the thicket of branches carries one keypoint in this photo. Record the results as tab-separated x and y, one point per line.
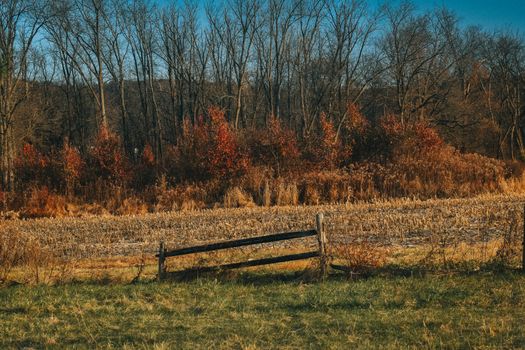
260	96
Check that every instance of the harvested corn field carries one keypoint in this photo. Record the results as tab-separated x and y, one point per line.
402	223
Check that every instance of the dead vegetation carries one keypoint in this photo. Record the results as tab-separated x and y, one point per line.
213	168
39	262
444	233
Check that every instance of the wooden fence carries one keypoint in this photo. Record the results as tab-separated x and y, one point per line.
320	253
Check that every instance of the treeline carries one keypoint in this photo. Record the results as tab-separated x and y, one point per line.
322	75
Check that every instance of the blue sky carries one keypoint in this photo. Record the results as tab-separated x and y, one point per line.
490	14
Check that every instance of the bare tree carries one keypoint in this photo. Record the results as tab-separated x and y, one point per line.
173	37
77	31
236	31
88	28
413	49
505	55
20	21
115	50
350	27
306	59
185	51
273	49
142	36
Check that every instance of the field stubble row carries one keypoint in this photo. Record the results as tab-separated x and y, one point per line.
400	223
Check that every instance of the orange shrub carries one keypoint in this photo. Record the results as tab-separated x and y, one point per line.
332	152
187	159
30	166
329	146
43	203
226	160
145	172
355	124
207	150
333	145
3	200
106	160
416	161
274	146
355	134
73	166
34	168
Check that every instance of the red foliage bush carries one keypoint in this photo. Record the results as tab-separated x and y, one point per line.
274	146
30	165
226	160
32	168
73	167
416	139
145	172
208	150
210	157
106	160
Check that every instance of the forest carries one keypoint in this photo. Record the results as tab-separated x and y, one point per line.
134	106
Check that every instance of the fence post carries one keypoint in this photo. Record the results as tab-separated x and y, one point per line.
162	259
523	243
321	237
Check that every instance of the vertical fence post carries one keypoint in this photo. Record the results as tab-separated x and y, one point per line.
162	259
321	237
523	243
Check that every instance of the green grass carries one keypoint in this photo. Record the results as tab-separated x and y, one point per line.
268	311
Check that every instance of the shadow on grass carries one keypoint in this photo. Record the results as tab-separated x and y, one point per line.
14	310
311	275
308	275
246	277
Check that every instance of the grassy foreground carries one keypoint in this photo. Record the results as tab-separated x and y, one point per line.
270	311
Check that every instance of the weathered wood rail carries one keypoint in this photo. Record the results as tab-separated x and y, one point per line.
321	253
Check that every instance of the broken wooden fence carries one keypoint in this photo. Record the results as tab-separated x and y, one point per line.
320	253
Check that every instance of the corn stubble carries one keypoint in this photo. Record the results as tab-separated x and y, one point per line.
442	233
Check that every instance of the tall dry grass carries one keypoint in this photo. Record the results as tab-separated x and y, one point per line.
33	261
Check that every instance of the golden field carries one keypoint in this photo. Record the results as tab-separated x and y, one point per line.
398	231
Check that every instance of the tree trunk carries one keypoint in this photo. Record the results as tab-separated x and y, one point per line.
7	157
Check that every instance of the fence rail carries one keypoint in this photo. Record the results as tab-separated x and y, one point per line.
240	243
320	253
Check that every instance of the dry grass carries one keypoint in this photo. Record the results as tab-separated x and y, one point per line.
43	203
29	259
237	198
360	257
412	231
